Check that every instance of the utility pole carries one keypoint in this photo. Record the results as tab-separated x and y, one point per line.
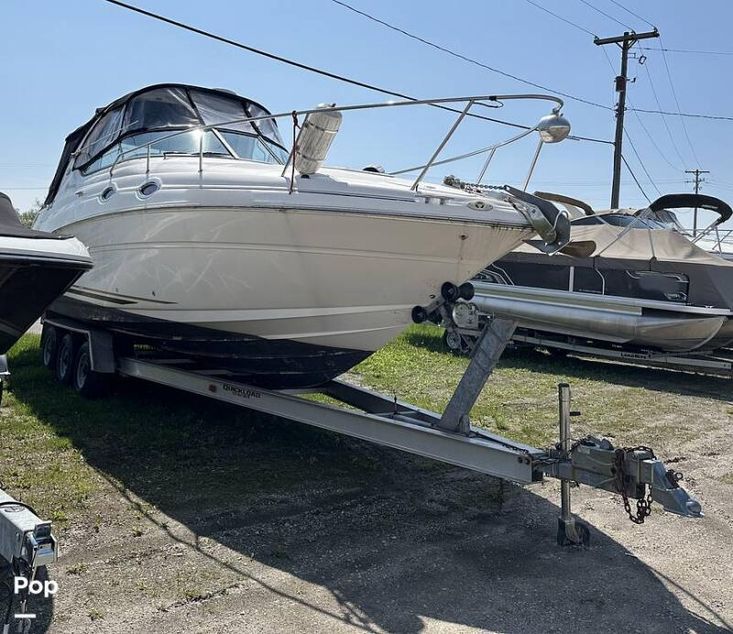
696	182
625	42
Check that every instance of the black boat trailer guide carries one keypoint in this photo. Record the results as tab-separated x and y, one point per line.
633	473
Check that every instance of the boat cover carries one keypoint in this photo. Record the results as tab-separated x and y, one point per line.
11	226
640	249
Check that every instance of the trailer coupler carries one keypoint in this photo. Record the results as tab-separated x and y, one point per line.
634	473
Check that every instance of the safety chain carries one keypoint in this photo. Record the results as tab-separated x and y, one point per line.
644	504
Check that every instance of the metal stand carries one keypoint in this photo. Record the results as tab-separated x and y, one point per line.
569	531
489	348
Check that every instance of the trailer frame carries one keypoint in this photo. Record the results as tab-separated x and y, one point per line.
448	437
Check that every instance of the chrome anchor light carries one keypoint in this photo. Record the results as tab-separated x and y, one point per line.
552	128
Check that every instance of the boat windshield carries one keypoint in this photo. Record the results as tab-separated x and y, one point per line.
153	115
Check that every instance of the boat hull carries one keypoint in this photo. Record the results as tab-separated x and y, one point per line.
288	298
33	273
27	287
618	320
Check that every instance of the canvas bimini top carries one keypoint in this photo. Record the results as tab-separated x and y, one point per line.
122	129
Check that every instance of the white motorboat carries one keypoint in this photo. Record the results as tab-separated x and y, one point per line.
211	240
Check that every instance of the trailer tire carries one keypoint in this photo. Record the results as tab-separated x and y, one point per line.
86	381
49	346
456	343
65	359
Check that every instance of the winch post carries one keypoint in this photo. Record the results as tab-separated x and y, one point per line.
568	532
489	348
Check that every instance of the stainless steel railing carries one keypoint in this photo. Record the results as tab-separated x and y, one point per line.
488	101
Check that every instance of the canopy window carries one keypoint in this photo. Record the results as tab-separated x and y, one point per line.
159	111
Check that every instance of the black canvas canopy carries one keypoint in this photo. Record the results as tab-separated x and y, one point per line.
161	107
11	226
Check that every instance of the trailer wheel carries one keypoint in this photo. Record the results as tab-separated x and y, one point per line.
86	381
456	343
65	359
49	346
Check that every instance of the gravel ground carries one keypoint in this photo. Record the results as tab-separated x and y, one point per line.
408	547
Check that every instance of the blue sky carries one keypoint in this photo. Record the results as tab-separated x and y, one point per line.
60	60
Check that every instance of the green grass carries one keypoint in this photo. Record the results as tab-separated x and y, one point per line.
69	457
520	399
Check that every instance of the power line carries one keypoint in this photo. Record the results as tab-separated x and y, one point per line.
691	115
559	17
319	71
677	103
460	56
608	15
608	59
664	118
686	50
636	15
285	60
654	143
641	163
636	180
641	123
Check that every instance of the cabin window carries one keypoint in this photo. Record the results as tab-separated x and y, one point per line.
186	143
171	143
256	140
223	112
254	148
102	134
160	108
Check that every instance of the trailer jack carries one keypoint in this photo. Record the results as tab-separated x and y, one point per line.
633	473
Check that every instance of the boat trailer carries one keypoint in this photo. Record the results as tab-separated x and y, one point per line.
633	473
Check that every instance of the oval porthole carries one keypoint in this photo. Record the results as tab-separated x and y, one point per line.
149	188
107	193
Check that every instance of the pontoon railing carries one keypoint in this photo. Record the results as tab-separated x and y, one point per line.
720	238
490	101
